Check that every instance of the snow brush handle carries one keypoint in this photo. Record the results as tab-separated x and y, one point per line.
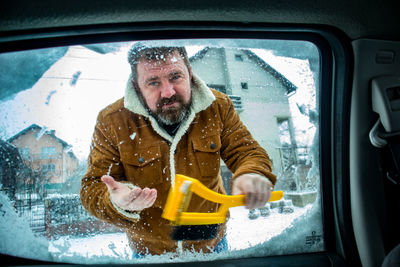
231	201
240	200
179	197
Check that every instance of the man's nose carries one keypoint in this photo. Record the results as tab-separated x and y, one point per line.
167	90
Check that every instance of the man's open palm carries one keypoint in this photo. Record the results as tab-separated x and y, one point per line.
127	198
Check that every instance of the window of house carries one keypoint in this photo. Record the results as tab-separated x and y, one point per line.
58	100
238	57
48	152
48	168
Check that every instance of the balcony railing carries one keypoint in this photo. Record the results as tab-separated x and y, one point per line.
293	156
237	102
40	156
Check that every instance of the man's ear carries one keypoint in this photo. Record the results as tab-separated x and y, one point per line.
135	85
190	72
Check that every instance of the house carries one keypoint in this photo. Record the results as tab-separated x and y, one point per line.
46	154
260	95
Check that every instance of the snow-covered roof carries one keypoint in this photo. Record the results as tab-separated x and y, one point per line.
51	133
260	62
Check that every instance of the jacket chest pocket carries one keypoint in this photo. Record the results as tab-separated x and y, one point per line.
142	166
206	151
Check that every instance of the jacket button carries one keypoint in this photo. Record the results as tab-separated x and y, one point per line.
141	160
212	146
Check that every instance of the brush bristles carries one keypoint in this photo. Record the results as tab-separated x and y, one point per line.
194	232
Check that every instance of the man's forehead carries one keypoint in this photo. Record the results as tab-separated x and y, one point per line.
160	59
164	62
158	63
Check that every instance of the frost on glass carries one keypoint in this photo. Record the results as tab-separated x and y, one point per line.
49	102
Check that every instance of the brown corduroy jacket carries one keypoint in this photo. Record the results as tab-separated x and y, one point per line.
129	145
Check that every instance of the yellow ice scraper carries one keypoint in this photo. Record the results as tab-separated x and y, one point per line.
197	225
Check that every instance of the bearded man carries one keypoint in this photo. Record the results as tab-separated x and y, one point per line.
168	123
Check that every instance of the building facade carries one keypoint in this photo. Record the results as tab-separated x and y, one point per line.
46	155
259	92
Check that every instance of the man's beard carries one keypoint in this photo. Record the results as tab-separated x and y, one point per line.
172	115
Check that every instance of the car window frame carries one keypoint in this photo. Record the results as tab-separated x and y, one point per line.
334	99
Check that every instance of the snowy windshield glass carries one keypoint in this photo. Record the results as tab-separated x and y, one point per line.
50	101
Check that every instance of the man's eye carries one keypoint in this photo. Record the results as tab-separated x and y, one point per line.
153	84
176	77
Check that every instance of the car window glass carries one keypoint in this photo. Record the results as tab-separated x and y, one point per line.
49	102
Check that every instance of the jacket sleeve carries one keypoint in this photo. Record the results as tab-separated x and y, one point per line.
104	159
240	151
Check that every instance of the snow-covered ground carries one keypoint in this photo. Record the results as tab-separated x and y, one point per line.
275	234
241	233
105	245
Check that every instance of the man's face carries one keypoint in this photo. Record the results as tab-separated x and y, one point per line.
165	87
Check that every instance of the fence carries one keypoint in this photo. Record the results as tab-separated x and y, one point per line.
34	211
58	215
